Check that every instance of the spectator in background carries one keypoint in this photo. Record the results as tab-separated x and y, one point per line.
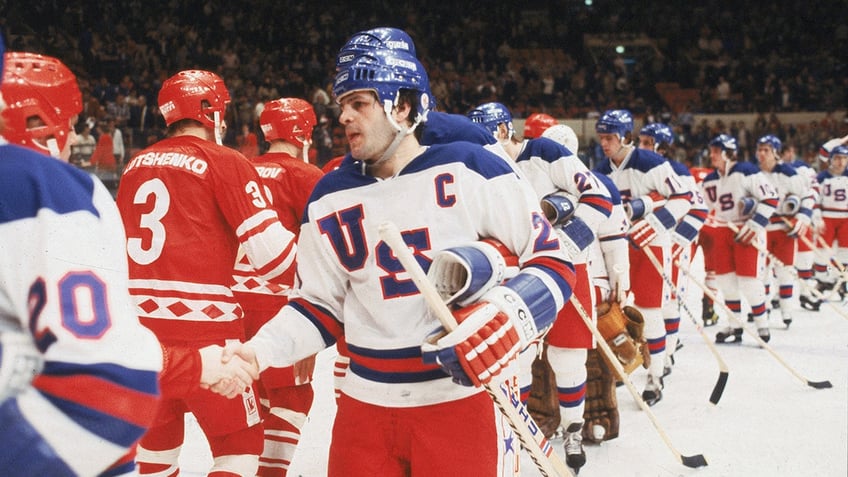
118	148
248	143
103	157
84	147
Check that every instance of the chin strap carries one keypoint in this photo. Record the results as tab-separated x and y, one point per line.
217	117
400	132
53	147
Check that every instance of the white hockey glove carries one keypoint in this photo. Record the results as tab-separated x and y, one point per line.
20	362
642	206
463	274
558	207
575	236
749	232
490	335
790	205
800	224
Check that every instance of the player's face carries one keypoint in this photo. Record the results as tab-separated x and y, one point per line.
766	157
611	145
646	142
838	164
717	158
367	129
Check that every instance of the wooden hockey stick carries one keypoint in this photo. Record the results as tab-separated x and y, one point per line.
528	432
693	461
724	372
763	344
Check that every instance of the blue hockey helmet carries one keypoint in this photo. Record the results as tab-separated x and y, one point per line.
376	38
841	150
491	115
615	121
661	133
772	141
386	72
726	142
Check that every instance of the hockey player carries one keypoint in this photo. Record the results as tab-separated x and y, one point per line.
576	203
185	192
806	253
285	394
833	186
656	200
400	396
564	135
659	137
73	400
738	193
795	206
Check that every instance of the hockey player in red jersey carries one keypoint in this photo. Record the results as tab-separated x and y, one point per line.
285	394
73	400
407	387
656	200
188	203
739	193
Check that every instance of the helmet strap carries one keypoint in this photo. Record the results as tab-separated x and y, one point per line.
217	119
400	132
53	147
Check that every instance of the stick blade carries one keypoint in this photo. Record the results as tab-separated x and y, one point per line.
819	384
718	390
694	461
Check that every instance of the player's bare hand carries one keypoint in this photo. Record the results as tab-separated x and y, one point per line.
303	370
228	377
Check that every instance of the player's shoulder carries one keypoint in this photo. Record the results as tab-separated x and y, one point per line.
785	169
442	128
31	181
544	148
679	168
745	168
465	156
711	176
644	160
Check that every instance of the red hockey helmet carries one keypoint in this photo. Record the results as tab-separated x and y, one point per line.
38	86
289	119
193	94
536	123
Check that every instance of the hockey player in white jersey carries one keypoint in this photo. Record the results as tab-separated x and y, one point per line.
795	206
739	193
659	137
833	187
576	203
400	398
73	399
656	200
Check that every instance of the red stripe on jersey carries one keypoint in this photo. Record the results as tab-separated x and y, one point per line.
276	262
597	201
387	364
258	228
92	392
327	322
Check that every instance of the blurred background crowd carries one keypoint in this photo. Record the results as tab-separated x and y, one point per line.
704	67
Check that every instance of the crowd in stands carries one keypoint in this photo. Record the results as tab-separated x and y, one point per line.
757	57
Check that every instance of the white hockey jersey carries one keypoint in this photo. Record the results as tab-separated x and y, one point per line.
64	281
350	283
724	193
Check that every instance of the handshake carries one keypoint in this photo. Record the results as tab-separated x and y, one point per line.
228	370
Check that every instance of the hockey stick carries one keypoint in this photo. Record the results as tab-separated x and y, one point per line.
815	292
724	373
693	461
763	344
528	432
817	251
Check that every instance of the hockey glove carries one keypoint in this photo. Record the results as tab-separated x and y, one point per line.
800	223
746	207
790	205
642	206
486	340
558	207
576	236
644	231
748	232
463	274
20	362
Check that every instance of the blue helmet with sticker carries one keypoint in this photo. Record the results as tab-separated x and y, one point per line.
661	133
841	150
726	142
366	41
772	141
491	115
615	121
386	72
